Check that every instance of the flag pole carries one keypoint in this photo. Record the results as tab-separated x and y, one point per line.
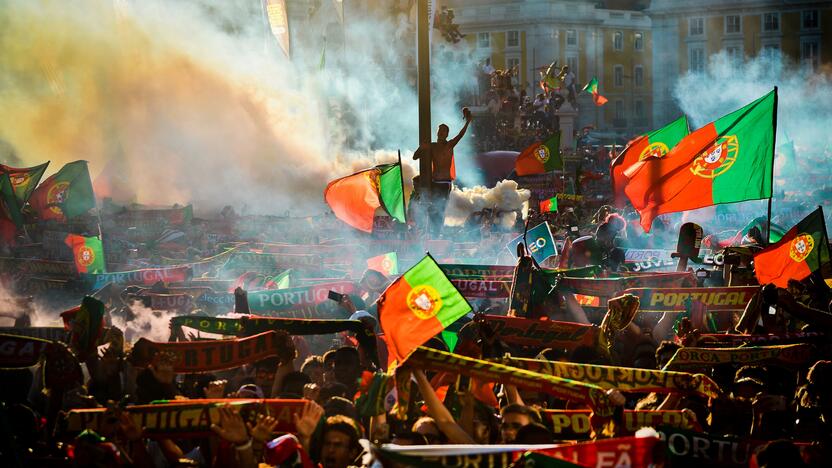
773	151
401	174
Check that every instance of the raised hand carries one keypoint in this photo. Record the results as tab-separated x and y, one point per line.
231	426
308	419
264	428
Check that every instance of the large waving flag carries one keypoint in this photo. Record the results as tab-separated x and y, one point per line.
540	158
355	198
728	160
10	218
656	143
801	251
279	23
65	194
416	307
24	180
592	88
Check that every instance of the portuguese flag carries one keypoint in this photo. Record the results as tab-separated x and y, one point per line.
728	160
540	158
354	198
387	264
549	205
24	180
416	307
801	251
10	218
87	252
65	194
592	88
656	143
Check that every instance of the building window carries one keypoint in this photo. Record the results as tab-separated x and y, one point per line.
638	41
513	62
696	26
810	54
810	19
572	63
484	40
618	40
735	54
696	56
771	22
618	76
638	76
619	109
513	39
733	24
639	105
571	38
770	51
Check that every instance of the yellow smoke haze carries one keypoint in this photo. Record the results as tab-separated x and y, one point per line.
171	107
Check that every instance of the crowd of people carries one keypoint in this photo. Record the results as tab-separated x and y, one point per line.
88	397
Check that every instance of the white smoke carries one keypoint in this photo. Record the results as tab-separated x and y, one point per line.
192	101
153	325
504	197
804	116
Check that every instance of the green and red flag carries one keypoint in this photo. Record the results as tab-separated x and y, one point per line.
416	307
728	160
355	198
387	264
656	143
66	194
592	88
87	252
10	217
24	180
549	205
540	158
801	251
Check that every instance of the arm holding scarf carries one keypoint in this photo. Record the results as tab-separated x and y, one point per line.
438	411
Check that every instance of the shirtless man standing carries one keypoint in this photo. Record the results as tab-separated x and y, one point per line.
444	173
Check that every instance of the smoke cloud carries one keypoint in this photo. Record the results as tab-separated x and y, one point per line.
504	197
804	117
193	101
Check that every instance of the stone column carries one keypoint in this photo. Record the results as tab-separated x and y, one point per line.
566	117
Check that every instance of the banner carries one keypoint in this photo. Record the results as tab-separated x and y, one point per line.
279	23
479	289
185	418
569	197
456	270
292	298
241	262
539	243
178	302
205	356
543	333
38	267
574	424
692	449
140	277
793	354
591	395
623	378
609	287
20	351
213	299
620	451
41	333
155	217
365	336
727	298
216	325
723	340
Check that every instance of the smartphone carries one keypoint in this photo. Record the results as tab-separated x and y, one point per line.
335	296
